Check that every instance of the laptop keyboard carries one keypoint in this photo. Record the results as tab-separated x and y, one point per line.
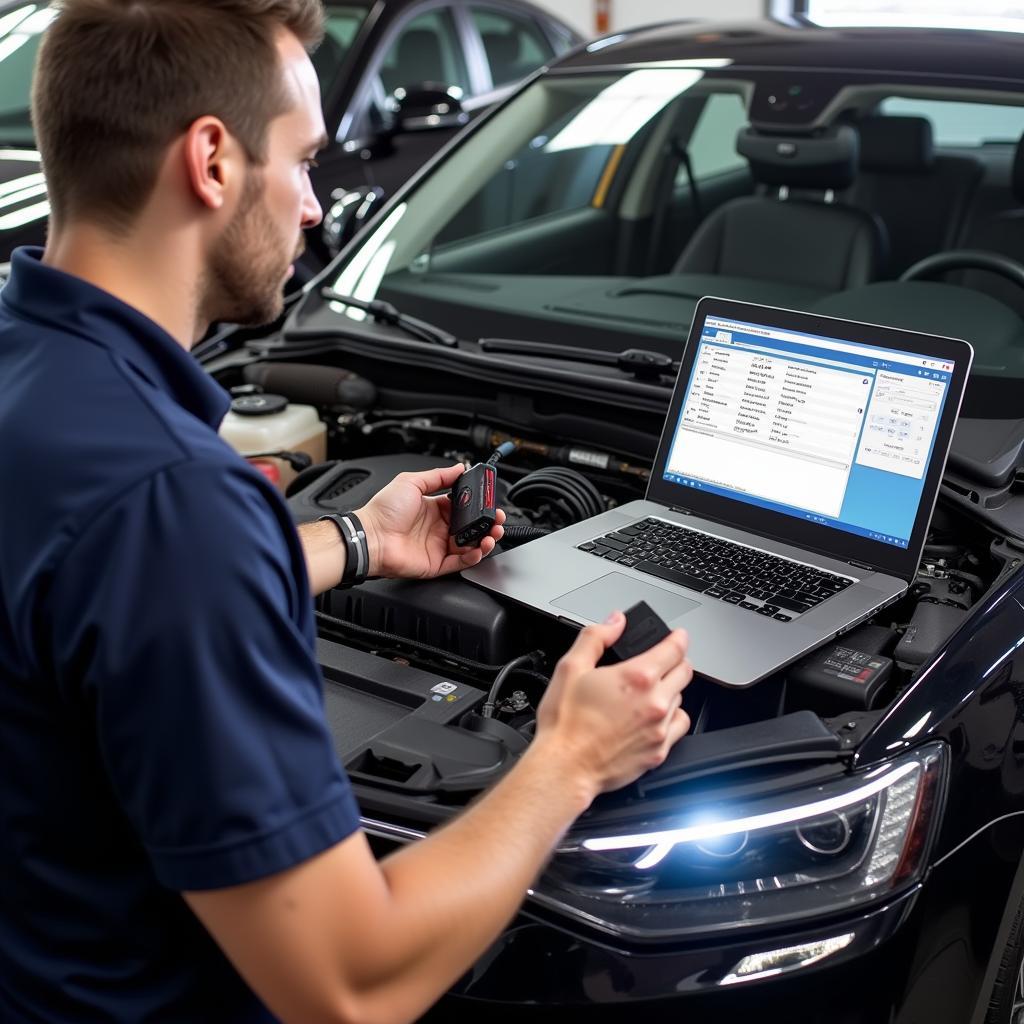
753	580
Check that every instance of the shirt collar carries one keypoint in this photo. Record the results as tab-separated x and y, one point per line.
73	306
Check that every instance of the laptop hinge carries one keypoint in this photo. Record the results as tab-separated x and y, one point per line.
684	511
861	565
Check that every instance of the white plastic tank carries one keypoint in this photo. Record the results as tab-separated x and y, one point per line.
259	425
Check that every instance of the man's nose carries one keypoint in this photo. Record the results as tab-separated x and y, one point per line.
312	214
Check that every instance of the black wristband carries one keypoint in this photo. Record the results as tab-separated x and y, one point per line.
357	550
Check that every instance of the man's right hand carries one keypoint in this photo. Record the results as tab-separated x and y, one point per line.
614	723
342	937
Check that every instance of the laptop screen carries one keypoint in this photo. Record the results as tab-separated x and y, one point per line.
817	428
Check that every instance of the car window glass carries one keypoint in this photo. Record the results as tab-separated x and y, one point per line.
543	177
514	45
556	219
426	50
712	146
566	152
961	124
340	27
20	33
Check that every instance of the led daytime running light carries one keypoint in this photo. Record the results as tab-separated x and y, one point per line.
779	961
664	841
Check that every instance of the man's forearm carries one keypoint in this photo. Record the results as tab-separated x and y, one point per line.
452	893
325	555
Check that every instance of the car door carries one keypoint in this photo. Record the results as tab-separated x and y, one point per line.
512	43
374	154
478	52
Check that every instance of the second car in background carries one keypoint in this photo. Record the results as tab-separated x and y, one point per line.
397	77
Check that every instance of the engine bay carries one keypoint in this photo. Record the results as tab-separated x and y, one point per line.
408	665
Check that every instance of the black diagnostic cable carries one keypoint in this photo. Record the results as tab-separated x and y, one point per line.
515	535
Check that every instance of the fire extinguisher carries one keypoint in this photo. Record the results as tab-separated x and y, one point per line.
602	16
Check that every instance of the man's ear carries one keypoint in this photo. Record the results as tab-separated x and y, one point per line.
211	161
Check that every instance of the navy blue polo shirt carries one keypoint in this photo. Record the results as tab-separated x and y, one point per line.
161	717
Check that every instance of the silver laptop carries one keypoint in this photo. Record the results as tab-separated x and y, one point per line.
789	499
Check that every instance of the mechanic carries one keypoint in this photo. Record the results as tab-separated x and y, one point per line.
178	841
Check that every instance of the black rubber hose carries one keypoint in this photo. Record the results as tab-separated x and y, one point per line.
974	582
576	494
524	660
591	497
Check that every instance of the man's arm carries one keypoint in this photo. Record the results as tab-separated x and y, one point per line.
406	531
325	555
341	938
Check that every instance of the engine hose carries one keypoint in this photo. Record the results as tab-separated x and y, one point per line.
576	495
593	500
942	550
522	662
974	582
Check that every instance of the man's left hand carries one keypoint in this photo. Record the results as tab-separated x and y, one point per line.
407	530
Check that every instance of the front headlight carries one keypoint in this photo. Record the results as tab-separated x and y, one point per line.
803	854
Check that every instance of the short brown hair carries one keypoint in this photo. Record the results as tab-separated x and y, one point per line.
117	80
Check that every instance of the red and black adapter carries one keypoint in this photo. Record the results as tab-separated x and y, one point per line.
474	511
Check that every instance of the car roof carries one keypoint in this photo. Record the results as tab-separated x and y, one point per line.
767	44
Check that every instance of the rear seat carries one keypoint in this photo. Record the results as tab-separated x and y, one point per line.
921	198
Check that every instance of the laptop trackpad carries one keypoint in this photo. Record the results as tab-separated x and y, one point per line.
597	600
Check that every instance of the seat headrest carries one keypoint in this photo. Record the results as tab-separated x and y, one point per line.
1017	176
502	48
420	58
896	144
824	161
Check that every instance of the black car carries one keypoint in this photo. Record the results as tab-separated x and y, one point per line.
537	283
398	79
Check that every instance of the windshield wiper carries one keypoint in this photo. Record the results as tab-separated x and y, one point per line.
640	363
385	313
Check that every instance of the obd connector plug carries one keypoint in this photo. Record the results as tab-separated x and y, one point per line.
474	511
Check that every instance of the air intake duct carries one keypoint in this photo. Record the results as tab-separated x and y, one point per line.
312	384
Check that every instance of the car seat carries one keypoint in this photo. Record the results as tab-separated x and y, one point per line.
796	236
502	49
419	58
921	198
1000	231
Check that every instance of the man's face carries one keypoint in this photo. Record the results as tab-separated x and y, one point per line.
254	255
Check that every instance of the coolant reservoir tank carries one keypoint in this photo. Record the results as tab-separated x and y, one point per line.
259	425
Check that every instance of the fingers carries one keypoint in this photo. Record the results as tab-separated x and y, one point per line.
678	679
678	727
594	640
432	480
662	657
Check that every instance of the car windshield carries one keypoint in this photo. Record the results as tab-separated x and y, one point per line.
22	27
594	209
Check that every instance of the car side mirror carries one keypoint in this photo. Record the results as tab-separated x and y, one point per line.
426	107
349	210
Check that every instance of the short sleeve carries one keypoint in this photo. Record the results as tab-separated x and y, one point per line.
182	623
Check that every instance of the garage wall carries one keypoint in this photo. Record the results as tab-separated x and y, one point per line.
627	13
